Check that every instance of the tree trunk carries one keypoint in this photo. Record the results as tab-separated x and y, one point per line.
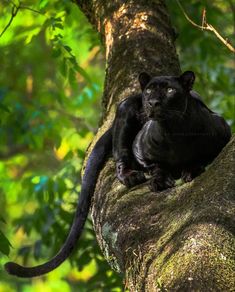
180	239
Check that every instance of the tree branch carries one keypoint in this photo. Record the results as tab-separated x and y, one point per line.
207	26
14	11
30	9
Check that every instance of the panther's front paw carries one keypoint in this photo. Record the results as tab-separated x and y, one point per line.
129	177
133	177
158	184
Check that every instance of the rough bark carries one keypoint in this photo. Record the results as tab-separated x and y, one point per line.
177	240
137	36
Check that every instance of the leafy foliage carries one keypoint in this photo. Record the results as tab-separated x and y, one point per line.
52	76
203	53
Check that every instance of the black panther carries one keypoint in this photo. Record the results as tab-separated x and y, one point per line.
166	131
174	134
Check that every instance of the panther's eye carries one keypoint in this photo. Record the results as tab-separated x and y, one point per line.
148	91
170	90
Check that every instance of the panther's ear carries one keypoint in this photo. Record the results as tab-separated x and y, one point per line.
144	79
187	79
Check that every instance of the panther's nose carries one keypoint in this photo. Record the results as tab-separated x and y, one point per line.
154	102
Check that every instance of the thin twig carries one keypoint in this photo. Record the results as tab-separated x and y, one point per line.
224	41
14	11
204	17
31	9
207	26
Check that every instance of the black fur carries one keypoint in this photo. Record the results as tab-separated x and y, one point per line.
166	131
176	134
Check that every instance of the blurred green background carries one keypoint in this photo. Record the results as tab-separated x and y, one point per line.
51	80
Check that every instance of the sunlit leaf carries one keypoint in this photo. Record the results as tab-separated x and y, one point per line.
32	34
43	3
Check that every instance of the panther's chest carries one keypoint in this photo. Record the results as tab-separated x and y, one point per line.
154	145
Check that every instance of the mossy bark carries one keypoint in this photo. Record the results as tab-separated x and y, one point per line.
177	240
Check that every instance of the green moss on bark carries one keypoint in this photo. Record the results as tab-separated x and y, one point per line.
204	262
179	239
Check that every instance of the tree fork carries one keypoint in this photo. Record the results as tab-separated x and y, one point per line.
180	239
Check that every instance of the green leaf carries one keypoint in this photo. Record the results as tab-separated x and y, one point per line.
4	244
59	25
64	67
67	48
43	4
32	34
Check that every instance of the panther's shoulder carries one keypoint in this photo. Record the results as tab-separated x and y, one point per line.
196	97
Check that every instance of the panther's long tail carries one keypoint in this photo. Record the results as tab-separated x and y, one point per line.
94	164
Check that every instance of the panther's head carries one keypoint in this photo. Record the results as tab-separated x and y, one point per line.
165	96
